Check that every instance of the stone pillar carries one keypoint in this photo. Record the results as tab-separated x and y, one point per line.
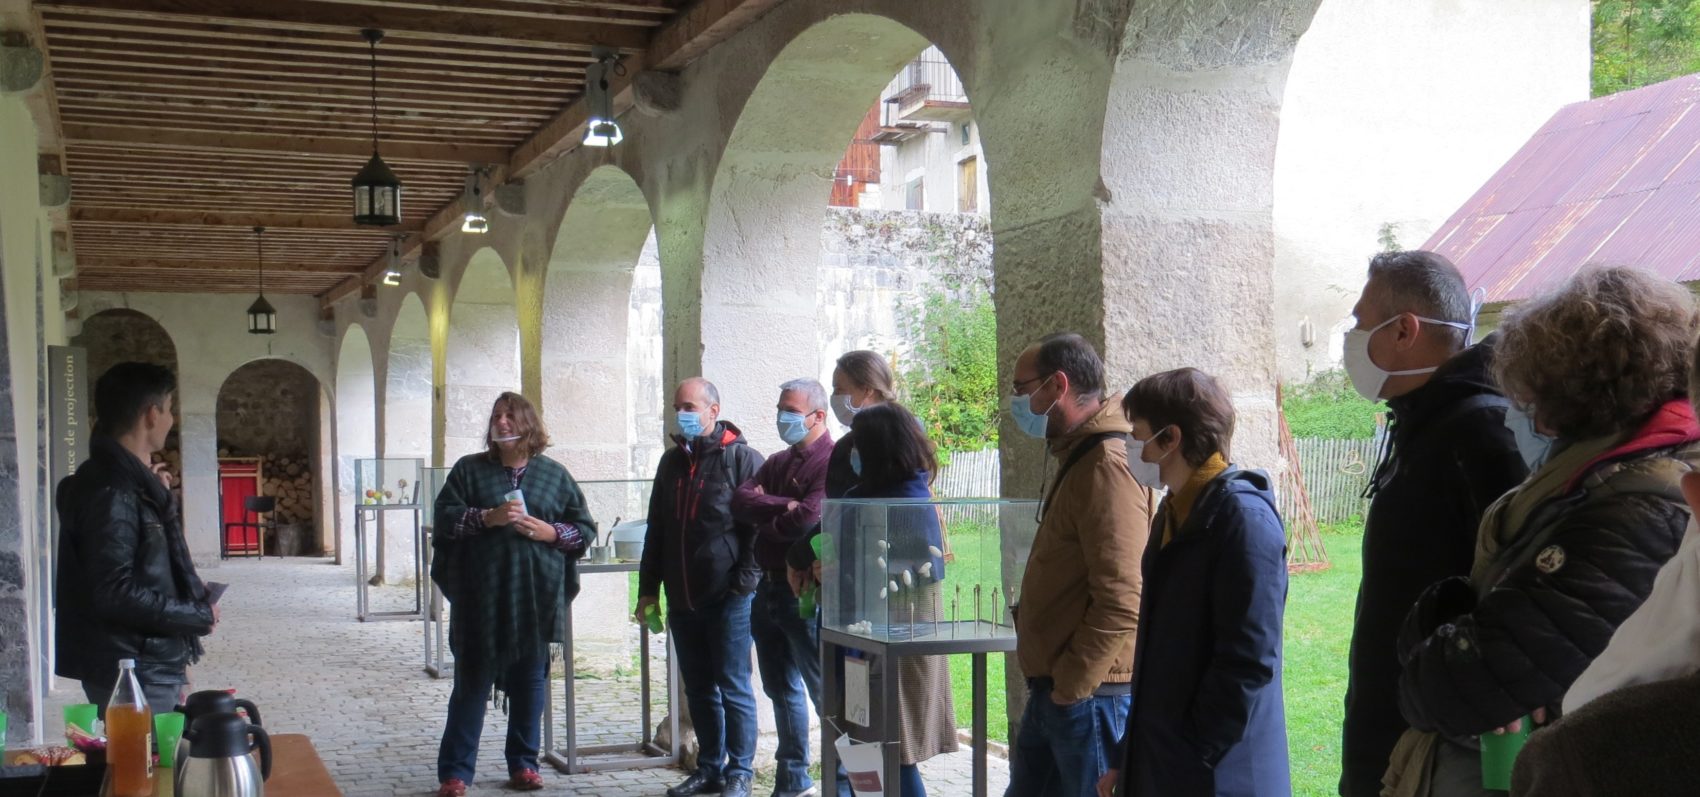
1188	169
17	693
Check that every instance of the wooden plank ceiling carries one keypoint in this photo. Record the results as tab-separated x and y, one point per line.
187	122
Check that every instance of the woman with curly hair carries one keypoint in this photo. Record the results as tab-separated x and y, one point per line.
1597	372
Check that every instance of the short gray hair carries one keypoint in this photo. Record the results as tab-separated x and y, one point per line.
1424	283
811	390
709	391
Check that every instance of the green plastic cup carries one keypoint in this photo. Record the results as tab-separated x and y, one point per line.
652	617
82	715
167	732
1499	755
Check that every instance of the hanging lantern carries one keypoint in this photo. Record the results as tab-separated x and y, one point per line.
377	191
262	317
600	129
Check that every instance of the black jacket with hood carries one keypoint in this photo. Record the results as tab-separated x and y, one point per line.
126	587
693	545
1450	456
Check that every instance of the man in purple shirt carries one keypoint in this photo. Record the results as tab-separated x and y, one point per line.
783	502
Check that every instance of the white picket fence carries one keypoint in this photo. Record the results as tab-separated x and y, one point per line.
971	474
1335	474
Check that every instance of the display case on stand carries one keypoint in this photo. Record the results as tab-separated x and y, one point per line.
387	503
436	620
914	577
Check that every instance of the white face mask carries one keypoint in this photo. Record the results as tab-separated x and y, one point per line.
1368	377
1148	474
843	410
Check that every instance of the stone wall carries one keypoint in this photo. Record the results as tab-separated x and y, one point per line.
268	407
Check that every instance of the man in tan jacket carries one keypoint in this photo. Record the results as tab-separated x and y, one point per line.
1079	600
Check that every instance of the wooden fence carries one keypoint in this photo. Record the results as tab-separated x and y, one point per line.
1335	474
970	474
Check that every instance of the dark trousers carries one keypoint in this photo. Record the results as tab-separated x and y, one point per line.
162	698
788	653
1062	751
713	645
528	684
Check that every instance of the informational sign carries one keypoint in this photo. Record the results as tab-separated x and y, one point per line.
857	705
69	402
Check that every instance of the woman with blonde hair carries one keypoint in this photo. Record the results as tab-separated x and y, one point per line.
1597	372
509	524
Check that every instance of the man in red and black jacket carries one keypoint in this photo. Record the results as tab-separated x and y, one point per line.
706	558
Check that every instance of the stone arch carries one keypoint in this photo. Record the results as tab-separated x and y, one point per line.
482	353
407	383
590	389
272	409
356	428
1187	169
761	244
124	335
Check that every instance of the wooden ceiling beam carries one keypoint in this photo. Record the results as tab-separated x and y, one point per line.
180	121
107	80
464	26
243	73
81	94
578	12
134	263
303	221
117	133
351	53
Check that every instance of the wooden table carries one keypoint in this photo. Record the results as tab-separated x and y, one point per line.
297	771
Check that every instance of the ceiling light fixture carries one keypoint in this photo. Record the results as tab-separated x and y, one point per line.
600	129
474	222
262	317
377	191
392	274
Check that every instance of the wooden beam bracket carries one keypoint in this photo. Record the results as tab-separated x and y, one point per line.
21	64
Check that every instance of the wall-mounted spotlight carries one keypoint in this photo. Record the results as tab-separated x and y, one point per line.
600	129
474	222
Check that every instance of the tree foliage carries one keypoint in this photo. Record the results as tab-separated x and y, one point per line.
1327	406
1641	42
951	379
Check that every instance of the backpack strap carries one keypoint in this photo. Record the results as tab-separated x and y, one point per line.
1079	452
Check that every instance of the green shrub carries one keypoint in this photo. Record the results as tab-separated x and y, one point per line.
951	379
1327	406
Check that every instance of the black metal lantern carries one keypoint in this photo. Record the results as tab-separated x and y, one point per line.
377	191
262	317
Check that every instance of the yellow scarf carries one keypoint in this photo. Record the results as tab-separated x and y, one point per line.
1181	503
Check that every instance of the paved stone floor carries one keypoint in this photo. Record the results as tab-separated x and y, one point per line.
289	642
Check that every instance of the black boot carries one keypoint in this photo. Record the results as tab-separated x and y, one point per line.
737	786
700	783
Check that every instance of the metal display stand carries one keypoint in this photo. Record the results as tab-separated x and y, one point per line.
436	623
944	639
645	752
365	514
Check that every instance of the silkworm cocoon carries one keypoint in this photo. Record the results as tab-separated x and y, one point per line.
908	578
926	569
894	587
883	593
934	550
883	544
881	561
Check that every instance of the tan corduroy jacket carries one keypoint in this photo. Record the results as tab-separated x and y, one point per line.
1080	595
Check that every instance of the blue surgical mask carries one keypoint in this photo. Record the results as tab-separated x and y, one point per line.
690	424
1031	423
1534	446
792	428
855	462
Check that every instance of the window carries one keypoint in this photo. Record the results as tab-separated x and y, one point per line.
965	132
968	185
915	195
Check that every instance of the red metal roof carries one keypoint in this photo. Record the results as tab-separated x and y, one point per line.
1614	180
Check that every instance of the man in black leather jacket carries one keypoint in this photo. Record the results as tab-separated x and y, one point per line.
127	588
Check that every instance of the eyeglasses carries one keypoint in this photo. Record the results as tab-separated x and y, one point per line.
1017	384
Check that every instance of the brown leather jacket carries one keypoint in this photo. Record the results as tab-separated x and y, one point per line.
1080	595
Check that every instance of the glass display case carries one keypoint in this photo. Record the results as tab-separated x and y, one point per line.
612	503
910	569
431	482
392	482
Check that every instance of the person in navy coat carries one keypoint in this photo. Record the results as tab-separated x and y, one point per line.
1207	716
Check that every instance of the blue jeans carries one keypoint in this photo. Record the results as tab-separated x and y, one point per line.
1062	751
713	644
528	679
788	652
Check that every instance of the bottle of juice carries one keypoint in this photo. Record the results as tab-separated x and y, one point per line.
129	736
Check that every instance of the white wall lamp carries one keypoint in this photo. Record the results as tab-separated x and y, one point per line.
474	222
600	129
392	273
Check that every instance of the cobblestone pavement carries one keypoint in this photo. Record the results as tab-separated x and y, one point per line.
289	642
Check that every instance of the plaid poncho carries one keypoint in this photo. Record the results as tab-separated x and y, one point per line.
508	595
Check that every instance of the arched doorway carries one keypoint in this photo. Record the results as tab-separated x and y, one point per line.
482	353
269	425
407	384
123	335
356	429
589	391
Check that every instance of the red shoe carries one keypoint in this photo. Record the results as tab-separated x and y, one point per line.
525	780
453	787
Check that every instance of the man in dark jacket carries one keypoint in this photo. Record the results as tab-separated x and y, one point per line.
127	588
706	558
1448	456
783	501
